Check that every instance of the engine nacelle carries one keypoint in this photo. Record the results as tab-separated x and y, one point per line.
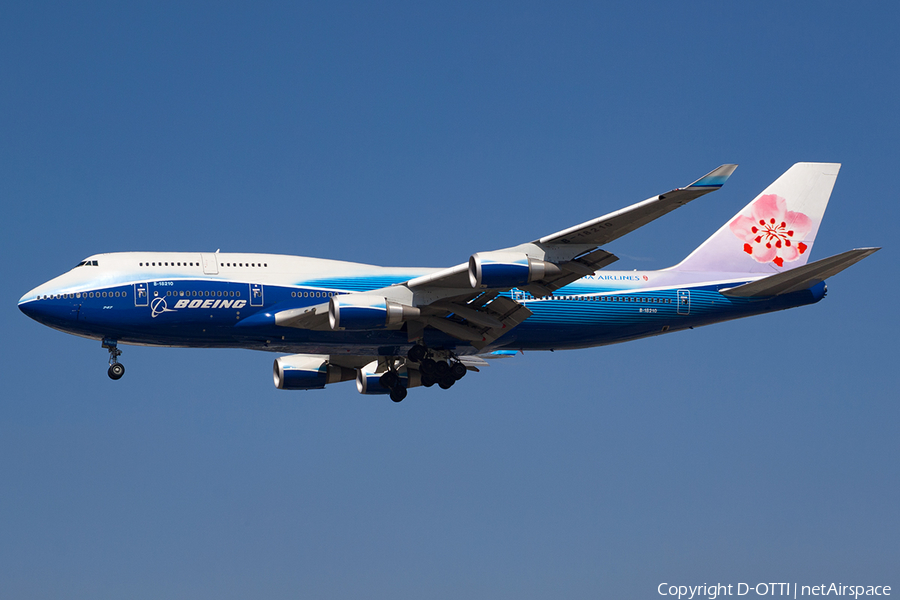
359	311
305	372
506	269
369	382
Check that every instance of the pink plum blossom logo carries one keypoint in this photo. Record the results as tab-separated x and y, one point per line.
771	231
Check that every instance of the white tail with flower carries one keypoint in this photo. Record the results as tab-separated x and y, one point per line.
776	231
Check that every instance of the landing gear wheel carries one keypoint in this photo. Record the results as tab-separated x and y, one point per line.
116	370
398	394
442	368
389	380
428	380
458	370
428	366
446	382
417	353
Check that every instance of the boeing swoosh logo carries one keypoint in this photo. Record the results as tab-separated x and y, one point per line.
158	306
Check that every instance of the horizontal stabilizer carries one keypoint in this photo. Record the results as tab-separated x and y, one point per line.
800	278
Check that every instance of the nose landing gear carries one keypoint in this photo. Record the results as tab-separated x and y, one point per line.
116	369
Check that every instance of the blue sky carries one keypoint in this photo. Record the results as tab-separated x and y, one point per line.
416	134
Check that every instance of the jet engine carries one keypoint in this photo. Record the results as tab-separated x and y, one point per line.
305	372
368	381
507	269
359	311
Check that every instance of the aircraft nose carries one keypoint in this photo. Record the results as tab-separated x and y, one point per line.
36	308
30	306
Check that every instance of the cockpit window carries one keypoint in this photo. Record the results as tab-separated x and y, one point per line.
87	263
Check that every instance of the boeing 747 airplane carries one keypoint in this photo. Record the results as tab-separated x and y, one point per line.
392	329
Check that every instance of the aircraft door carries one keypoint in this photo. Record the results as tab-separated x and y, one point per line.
256	294
141	297
684	302
210	263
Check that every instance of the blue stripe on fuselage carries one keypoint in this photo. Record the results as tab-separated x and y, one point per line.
203	313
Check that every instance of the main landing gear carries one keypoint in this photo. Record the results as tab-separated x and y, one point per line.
424	366
434	368
116	369
391	381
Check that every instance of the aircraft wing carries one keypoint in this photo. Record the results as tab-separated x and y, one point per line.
607	228
575	251
465	301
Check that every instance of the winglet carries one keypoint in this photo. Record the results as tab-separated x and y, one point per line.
715	178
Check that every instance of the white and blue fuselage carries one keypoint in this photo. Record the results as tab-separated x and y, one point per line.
207	300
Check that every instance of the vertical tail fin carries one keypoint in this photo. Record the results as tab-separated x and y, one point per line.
776	231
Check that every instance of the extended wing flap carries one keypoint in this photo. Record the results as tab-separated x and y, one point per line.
800	278
509	312
484	319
